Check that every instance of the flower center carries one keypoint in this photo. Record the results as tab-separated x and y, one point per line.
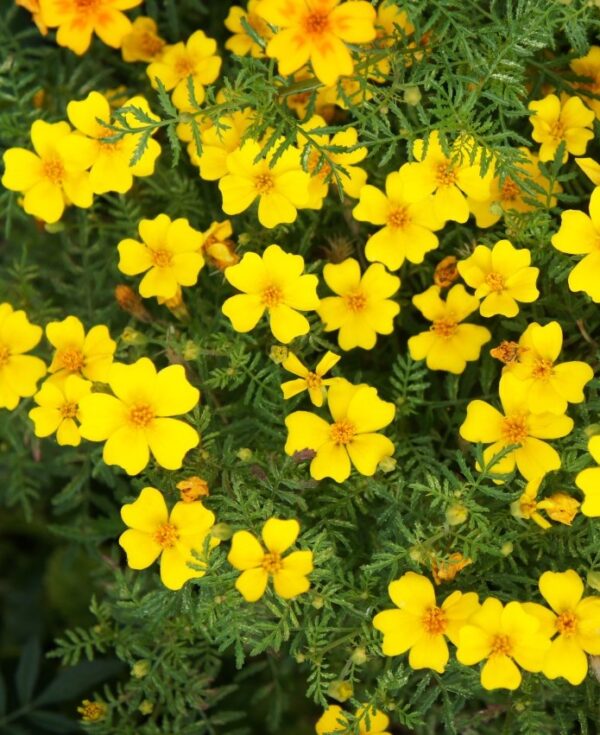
356	301
510	191
257	24
434	621
272	563
68	410
313	380
86	6
557	130
263	183
4	355
150	43
141	415
495	281
166	535
444	328
313	162
184	66
566	624
514	429
161	258
71	359
53	170
342	432
542	369
508	352
445	174
501	646
316	23
272	296
398	218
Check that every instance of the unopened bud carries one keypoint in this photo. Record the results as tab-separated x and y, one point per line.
412	96
192	488
140	668
456	514
339	690
222	531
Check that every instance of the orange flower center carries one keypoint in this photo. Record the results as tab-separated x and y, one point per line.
85	7
68	410
258	24
313	380
557	131
71	359
398	218
542	369
53	170
356	301
514	429
566	624
184	66
263	183
150	44
445	174
161	258
444	328
495	281
316	23
272	563
434	621
4	355
501	646
508	352
510	191
313	162
342	432
166	535
272	296
141	415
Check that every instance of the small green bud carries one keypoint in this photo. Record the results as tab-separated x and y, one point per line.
318	602
456	514
387	464
359	656
592	430
412	96
132	337
222	531
507	548
244	454
190	350
278	354
340	690
140	668
146	707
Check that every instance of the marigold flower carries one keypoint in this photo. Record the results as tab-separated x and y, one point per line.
313	382
589	66
218	141
174	536
446	272
92	711
446	570
420	626
55	175
111	169
580	235
77	353
58	409
77	21
196	58
358	413
274	283
448	344
550	386
518	426
370	721
19	373
169	255
501	276
407	216
560	507
362	308
242	43
317	31
137	419
289	573
217	246
556	120
281	186
142	43
504	636
192	488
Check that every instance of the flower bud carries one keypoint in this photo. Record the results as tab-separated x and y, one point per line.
456	514
192	488
140	668
340	690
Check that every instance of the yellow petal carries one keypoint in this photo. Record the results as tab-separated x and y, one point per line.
246	552
286	323
279	535
174	394
100	415
252	584
127	448
561	590
147	513
140	547
193	521
170	440
174	568
413	593
305	431
244	311
588	481
482	424
430	652
566	659
367	450
500	672
367	411
300	562
331	460
342	277
289	584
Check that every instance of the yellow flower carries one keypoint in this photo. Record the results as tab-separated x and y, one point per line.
550	386
217	245
274	283
580	235
560	507
501	276
451	178
448	345
33	6
556	121
358	413
518	426
88	355
317	32
420	626
135	420
19	373
58	408
313	382
362	308
588	481
281	186
111	169
218	141
242	43
142	43
55	175
196	58
407	218
334	720
505	636
589	66
590	168
175	537
77	21
169	254
257	565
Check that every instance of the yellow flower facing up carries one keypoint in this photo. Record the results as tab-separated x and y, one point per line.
450	178
175	537
550	386
196	58
289	573
574	620
308	380
276	284
111	169
142	43
518	426
19	373
352	439
77	21
449	344
169	255
281	186
136	420
588	481
55	175
503	637
501	276
242	43
77	353
218	142
317	31
561	120
362	308
408	220
559	507
420	626
57	410
370	721
580	235
589	66
217	245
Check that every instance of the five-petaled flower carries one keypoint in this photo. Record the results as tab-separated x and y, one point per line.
19	373
566	120
57	409
77	353
311	381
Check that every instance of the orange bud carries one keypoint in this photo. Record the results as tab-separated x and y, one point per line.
446	272
192	488
130	302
